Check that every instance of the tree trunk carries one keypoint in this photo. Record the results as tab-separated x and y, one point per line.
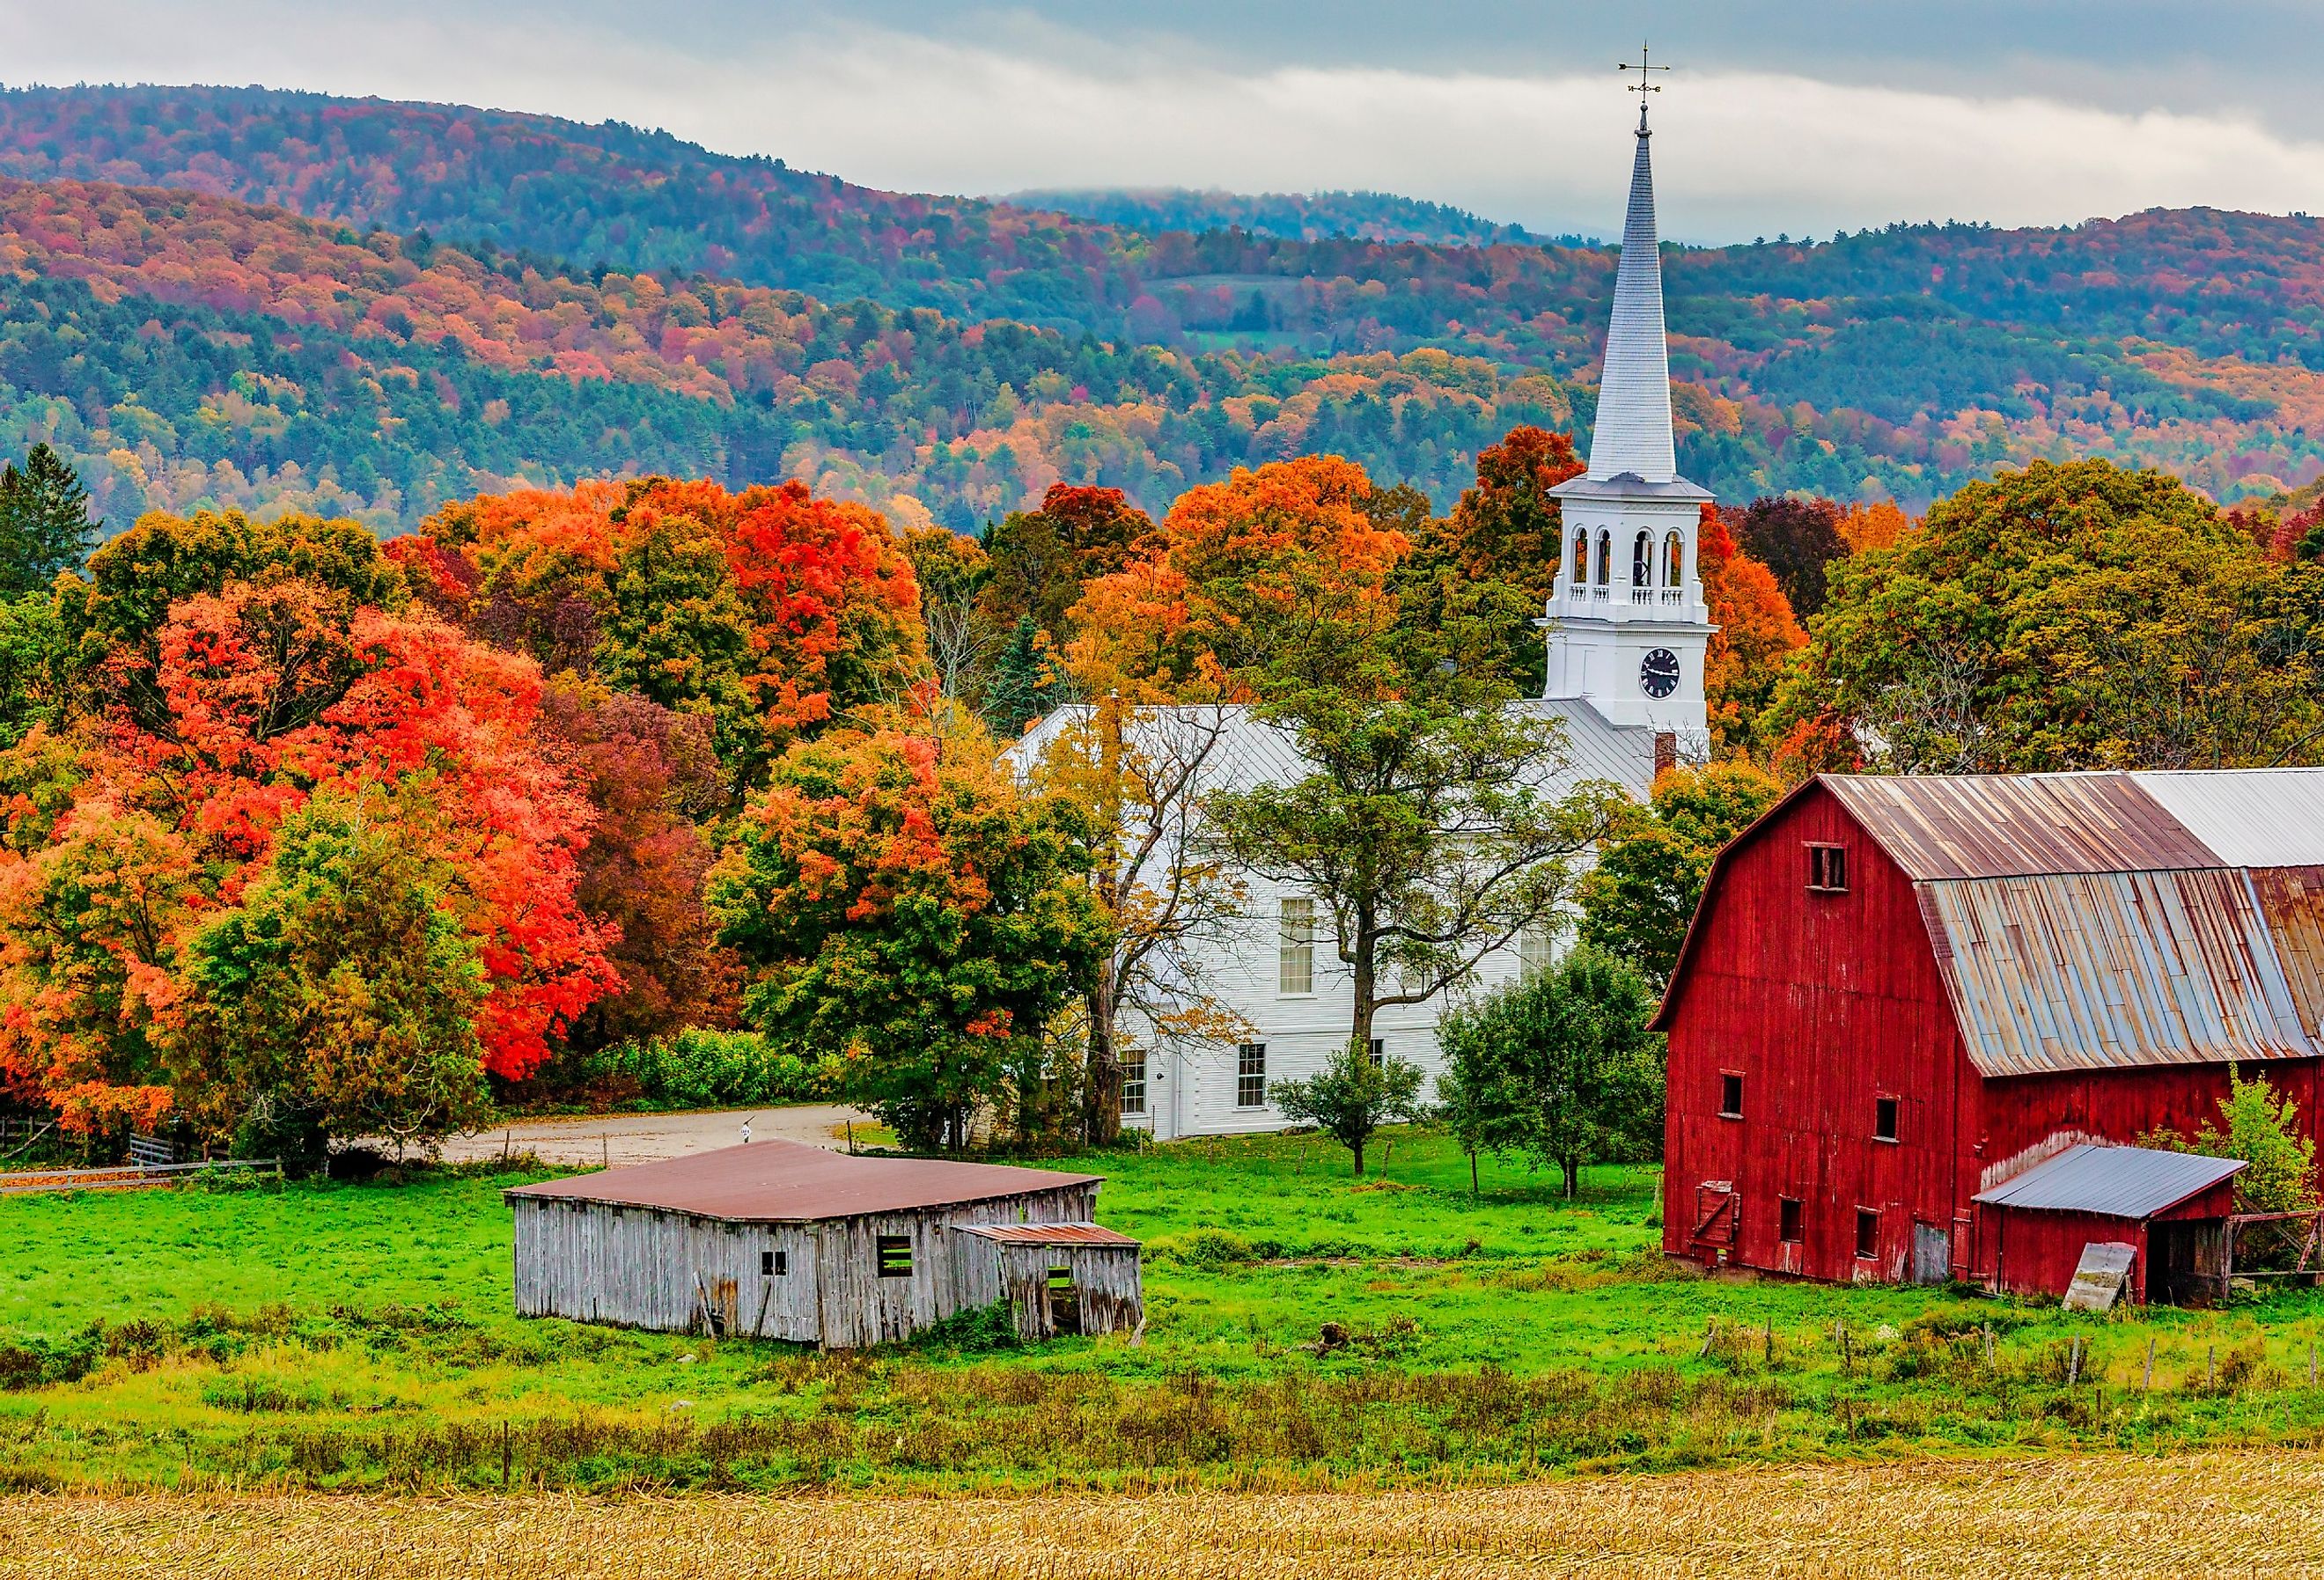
1358	1148
1101	1081
1365	977
1473	1192
1573	1176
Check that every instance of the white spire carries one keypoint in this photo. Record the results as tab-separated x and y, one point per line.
1633	430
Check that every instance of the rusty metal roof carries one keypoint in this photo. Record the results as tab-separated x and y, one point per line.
2292	899
2117	1182
792	1182
2005	824
2100	970
1047	1235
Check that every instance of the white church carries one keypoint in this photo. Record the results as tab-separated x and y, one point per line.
1627	629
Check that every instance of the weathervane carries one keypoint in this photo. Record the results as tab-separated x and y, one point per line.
1644	85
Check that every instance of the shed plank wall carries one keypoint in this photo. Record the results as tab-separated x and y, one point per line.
637	1267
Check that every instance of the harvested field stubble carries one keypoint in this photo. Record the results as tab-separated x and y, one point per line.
2240	1514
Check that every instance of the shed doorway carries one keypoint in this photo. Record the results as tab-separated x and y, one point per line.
1065	1302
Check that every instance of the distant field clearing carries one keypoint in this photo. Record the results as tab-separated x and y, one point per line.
2240	1514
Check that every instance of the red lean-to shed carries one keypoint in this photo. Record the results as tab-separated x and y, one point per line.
1900	994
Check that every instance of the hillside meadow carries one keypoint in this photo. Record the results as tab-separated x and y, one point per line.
360	1337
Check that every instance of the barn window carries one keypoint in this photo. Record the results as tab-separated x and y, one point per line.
1295	966
1731	1096
1884	1119
1868	1233
1790	1220
774	1264
1133	1085
1250	1075
895	1252
1828	869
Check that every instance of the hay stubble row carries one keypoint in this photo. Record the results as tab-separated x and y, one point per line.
2246	1513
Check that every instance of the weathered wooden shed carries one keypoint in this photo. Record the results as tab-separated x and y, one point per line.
780	1240
1899	993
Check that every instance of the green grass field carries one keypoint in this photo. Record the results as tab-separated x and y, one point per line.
361	1335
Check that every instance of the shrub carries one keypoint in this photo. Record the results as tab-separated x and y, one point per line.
700	1069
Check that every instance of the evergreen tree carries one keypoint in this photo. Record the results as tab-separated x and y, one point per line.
1024	681
44	524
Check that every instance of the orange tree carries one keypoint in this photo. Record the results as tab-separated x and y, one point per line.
904	908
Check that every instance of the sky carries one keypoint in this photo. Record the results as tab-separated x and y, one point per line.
1798	118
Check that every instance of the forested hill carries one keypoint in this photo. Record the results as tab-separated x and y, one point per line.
1380	217
955	354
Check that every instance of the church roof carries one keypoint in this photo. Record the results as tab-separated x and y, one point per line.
1632	432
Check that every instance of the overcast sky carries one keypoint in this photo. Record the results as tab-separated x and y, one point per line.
1802	116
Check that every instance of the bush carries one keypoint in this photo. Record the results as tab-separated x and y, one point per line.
700	1069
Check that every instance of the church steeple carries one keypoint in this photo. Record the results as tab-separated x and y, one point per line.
1633	430
1626	625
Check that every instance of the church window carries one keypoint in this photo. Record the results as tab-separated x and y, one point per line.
1295	951
1580	559
1250	1075
1642	561
1605	558
1673	561
1537	949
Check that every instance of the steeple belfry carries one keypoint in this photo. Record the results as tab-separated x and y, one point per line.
1633	430
1628	627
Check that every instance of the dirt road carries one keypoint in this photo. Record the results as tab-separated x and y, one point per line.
647	1138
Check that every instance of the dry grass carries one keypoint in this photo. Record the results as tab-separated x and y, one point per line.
2245	1514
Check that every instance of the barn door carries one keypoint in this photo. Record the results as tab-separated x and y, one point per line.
1932	1253
1718	1213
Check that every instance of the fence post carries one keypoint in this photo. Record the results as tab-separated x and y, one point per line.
2146	1383
2074	1360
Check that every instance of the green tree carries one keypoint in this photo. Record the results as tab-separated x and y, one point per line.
44	524
907	910
1560	1068
1352	1097
1638	900
675	630
1420	824
338	998
1026	681
2067	617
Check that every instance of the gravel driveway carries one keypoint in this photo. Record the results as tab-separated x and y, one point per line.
647	1138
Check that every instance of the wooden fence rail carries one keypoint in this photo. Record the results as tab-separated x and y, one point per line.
30	1180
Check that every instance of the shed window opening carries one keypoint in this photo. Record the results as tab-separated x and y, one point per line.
1133	1085
1250	1075
895	1253
1790	1220
1868	1234
1731	1096
1295	971
1828	869
1061	1279
1884	1119
774	1264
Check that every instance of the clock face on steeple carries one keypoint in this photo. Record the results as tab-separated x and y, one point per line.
1658	672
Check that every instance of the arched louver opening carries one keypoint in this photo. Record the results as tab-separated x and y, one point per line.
1642	561
1605	558
1674	561
1581	561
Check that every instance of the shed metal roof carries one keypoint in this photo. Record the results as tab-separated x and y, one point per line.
2118	1182
2102	970
792	1182
1047	1235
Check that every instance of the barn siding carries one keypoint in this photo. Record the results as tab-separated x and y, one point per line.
637	1267
1105	1278
1823	1004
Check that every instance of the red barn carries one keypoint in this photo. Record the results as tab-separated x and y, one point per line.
1900	993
